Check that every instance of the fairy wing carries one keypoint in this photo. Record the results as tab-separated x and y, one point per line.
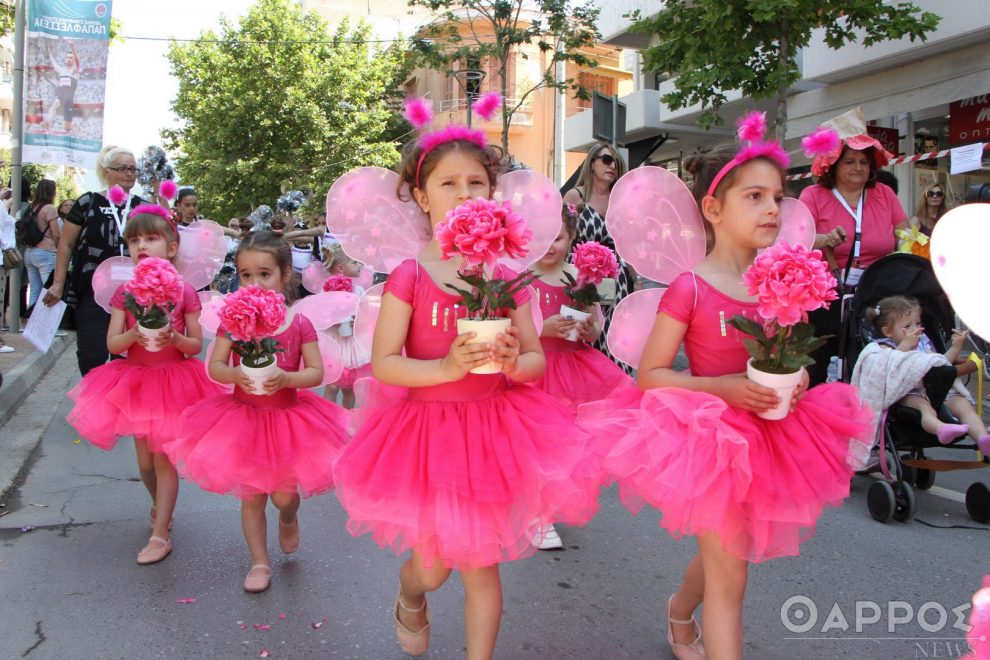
211	302
632	322
202	249
655	223
333	359
372	224
537	199
108	277
366	316
797	225
313	277
324	310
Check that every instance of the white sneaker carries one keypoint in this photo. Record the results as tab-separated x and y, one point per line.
6	349
547	538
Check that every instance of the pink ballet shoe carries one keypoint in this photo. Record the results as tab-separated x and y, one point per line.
156	550
413	643
950	432
692	651
258	578
288	536
983	442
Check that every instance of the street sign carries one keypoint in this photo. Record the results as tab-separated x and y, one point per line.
608	115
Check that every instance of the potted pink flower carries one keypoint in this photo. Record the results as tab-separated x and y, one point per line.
481	231
593	262
151	295
250	317
790	281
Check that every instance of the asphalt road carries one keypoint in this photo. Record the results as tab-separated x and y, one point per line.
71	588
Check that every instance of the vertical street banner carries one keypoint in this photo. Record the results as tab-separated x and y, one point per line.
65	73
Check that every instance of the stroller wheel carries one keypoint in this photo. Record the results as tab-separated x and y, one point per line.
924	479
978	502
881	501
904	508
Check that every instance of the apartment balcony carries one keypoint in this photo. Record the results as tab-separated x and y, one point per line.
614	24
456	111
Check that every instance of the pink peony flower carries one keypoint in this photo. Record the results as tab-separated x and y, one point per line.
155	283
252	313
338	283
594	262
979	620
117	195
482	231
790	281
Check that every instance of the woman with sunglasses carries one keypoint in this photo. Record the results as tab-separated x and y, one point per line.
601	169
92	233
931	207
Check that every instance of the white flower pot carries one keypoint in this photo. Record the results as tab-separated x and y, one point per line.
259	375
153	334
784	384
572	314
485	332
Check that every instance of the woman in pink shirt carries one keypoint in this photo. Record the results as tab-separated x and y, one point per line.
856	217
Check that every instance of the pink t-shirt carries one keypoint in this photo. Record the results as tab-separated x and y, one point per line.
177	319
713	347
882	212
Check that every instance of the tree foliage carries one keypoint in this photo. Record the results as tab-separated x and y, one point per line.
714	46
276	103
474	30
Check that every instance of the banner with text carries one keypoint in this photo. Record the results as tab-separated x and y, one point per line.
65	79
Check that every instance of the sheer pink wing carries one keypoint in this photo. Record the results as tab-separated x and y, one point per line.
632	322
958	253
365	279
108	276
313	277
372	224
367	315
209	358
537	199
333	359
655	223
202	249
209	315
327	308
797	226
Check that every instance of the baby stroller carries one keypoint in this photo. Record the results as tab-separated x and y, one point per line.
901	457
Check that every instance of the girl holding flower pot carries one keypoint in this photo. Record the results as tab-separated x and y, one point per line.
693	445
271	438
155	319
463	467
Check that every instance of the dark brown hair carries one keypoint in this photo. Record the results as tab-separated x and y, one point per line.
570	221
490	158
889	309
828	178
148	224
266	241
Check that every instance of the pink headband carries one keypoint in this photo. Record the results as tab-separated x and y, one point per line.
431	141
160	211
752	128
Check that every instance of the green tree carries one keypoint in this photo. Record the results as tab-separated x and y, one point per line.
713	46
277	103
469	32
32	173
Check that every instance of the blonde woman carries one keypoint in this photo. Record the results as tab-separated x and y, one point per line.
931	207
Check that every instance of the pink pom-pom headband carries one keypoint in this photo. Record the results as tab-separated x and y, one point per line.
419	113
752	128
160	211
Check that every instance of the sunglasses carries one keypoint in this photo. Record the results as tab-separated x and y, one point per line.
935	193
607	160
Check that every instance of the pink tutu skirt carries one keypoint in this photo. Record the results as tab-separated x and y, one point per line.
357	360
576	373
123	398
760	485
466	482
238	447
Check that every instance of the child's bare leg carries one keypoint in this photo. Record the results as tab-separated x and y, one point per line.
482	610
964	412
930	422
168	492
415	580
725	588
146	468
330	393
347	397
255	527
686	600
288	523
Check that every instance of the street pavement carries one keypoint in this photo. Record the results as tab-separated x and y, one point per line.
71	528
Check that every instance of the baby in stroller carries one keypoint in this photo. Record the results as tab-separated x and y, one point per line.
897	319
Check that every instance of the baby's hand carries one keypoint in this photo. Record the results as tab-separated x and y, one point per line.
911	339
959	337
507	348
463	357
276	381
556	326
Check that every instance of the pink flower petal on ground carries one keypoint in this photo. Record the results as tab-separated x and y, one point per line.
261	626
264	653
316	624
186	600
282	615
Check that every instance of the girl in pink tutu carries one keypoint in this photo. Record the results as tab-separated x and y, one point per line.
357	359
692	444
144	394
462	466
576	373
275	445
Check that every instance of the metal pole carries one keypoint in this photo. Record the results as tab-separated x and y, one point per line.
615	119
15	167
467	95
558	132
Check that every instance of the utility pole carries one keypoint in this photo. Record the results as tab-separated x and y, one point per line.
18	139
